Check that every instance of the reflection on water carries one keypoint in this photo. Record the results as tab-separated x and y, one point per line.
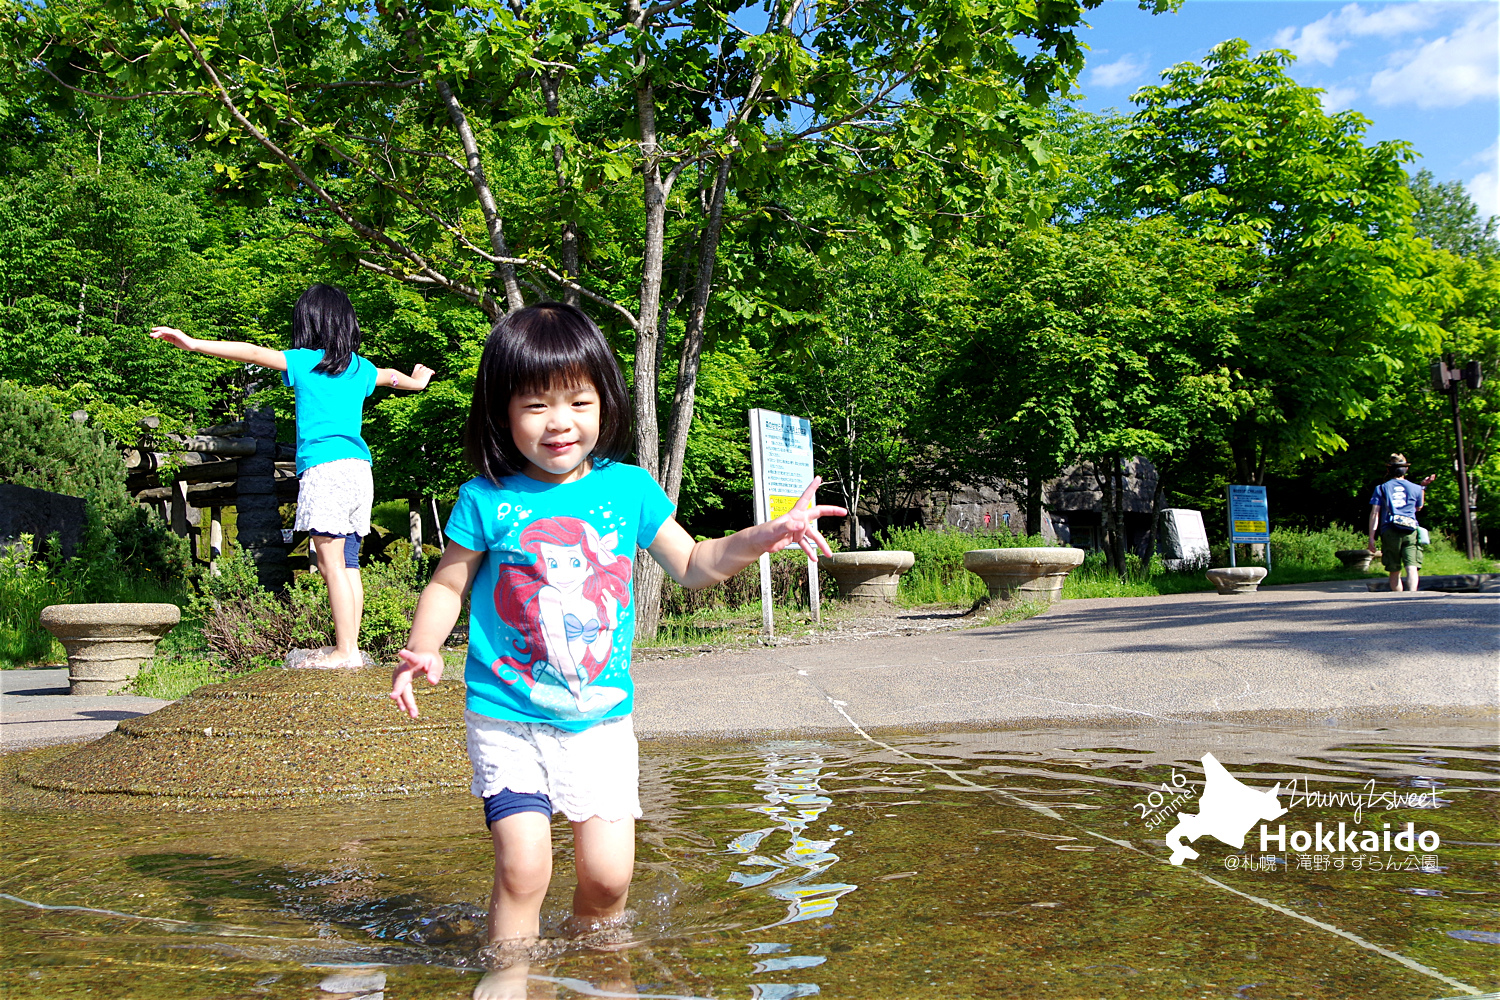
1017	864
795	800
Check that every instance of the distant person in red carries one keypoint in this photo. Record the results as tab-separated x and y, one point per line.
1393	514
986	521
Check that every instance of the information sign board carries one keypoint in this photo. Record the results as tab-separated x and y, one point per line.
782	456
781	459
1249	514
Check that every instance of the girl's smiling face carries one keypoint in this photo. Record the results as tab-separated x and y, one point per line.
555	430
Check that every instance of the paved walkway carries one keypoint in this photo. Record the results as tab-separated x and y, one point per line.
1279	654
36	709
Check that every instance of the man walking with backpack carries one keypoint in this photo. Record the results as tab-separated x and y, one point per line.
1393	512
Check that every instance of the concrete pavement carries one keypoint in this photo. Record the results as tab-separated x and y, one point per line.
36	709
1282	654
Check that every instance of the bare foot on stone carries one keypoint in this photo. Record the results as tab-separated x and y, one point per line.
324	658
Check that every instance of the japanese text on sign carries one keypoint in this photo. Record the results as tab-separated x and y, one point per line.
786	460
1249	514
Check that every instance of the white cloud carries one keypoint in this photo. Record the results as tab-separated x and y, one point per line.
1448	71
1124	70
1484	187
1337	98
1323	40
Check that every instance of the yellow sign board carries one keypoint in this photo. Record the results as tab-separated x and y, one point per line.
1250	527
780	504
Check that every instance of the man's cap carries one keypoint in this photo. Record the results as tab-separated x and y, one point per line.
1398	459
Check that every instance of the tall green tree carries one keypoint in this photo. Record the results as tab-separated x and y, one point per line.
864	377
575	147
1096	344
1448	218
1345	296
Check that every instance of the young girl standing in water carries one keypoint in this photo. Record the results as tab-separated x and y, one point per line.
547	536
335	489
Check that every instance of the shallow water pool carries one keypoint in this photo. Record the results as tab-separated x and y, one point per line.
1028	863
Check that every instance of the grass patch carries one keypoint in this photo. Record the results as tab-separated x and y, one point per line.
1004	613
29	583
173	677
737	626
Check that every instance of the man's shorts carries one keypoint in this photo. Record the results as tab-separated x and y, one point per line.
592	773
1399	550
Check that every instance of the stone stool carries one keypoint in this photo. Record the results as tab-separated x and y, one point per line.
1027	574
868	577
107	643
1356	558
1237	579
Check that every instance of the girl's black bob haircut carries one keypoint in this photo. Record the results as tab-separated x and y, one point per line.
546	346
324	320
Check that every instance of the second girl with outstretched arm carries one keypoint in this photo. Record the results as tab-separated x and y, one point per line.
335	490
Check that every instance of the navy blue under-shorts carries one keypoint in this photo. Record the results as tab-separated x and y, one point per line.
351	546
507	803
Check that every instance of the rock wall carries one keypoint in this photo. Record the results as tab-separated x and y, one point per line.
25	511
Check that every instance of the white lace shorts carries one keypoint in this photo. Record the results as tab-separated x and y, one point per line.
334	498
592	773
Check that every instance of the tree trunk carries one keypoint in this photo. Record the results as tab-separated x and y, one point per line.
570	228
1033	502
1150	550
503	272
648	575
692	342
1118	541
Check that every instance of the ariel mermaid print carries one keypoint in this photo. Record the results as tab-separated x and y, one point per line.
565	607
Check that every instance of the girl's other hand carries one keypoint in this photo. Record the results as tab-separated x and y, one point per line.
797	526
173	336
430	664
421	375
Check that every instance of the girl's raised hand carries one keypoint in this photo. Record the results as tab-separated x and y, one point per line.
430	664
421	375
796	526
173	336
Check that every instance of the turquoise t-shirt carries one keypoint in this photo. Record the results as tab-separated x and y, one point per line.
552	610
330	408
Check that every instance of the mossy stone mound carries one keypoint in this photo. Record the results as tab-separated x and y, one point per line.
275	735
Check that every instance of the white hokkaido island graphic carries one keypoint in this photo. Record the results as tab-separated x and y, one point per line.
1227	810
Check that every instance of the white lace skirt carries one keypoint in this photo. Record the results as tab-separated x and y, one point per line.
335	497
592	773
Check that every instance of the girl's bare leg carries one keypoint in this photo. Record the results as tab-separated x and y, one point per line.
357	585
523	868
347	604
604	855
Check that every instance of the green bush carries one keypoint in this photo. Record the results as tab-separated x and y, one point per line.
45	449
249	626
938	575
32	577
27	585
788	588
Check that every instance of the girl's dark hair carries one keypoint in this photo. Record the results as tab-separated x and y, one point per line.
545	346
324	320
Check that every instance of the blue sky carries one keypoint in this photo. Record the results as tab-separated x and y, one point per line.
1421	71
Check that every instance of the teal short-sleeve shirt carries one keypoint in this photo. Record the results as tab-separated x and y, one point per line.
330	408
552	609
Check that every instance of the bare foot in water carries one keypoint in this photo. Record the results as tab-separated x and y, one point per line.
503	984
